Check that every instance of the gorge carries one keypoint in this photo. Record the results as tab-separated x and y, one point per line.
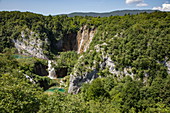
100	64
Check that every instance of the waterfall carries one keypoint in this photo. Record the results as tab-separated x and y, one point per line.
51	70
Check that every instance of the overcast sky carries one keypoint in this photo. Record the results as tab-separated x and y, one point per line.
54	7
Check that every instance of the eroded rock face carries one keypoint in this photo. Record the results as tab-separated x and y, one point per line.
70	42
61	72
40	69
79	41
77	81
84	38
30	44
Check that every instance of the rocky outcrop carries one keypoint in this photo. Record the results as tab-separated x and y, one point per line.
77	79
79	41
84	38
29	43
112	68
40	69
61	72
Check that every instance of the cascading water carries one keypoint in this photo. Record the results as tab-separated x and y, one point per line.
51	70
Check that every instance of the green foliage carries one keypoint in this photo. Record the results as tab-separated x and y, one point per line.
7	63
59	103
141	42
95	91
67	60
126	95
17	94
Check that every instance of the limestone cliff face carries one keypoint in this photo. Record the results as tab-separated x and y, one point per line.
79	41
67	43
77	79
29	43
84	38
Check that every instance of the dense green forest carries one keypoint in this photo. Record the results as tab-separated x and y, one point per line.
139	44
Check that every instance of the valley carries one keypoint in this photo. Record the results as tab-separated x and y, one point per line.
84	64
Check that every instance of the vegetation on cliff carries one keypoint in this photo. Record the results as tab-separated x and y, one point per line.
139	44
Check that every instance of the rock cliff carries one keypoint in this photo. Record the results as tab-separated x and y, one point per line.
84	38
40	69
79	41
30	44
77	79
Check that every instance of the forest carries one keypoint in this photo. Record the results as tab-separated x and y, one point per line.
136	46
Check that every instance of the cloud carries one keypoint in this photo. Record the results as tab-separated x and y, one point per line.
138	3
156	8
165	7
133	1
142	5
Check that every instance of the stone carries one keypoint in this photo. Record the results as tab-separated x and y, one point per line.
77	81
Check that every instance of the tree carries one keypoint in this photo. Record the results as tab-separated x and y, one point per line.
18	95
95	91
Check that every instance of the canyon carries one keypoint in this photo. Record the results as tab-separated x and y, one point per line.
101	47
31	45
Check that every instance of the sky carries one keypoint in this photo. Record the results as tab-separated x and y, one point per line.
54	7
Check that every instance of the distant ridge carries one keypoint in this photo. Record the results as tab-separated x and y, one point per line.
107	14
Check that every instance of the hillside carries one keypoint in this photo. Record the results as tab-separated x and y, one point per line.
107	14
102	64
